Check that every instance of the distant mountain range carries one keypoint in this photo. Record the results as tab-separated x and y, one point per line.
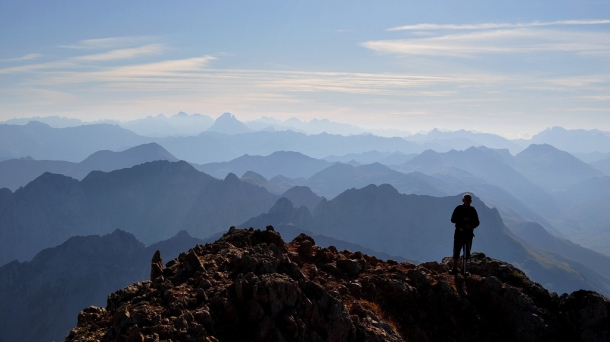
156	200
15	173
288	164
462	139
313	126
228	124
153	201
553	169
585	213
215	147
41	142
490	167
574	140
227	138
603	165
386	158
524	188
162	126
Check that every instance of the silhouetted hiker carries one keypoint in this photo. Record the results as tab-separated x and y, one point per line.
466	220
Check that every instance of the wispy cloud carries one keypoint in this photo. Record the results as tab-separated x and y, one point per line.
487	26
27	57
151	49
54	65
81	63
519	40
108	43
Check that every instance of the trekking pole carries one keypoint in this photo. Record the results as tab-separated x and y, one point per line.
465	249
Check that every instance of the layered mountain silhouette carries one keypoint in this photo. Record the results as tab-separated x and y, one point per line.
258	180
288	164
162	126
228	124
228	138
553	169
153	201
369	157
74	144
462	140
489	166
53	121
585	215
302	196
418	228
603	165
337	178
40	299
574	140
15	173
314	126
215	147
440	179
536	235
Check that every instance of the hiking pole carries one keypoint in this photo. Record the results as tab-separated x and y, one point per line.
465	249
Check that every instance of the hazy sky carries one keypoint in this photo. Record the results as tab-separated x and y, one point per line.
508	67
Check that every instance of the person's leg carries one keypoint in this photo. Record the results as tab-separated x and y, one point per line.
457	245
468	245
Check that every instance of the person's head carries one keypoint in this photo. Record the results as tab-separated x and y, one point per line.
467	199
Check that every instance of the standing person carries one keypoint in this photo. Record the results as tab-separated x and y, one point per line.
466	220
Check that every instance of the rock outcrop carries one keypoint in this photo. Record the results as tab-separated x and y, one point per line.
252	286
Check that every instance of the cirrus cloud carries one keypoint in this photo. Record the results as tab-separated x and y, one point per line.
151	49
486	26
519	40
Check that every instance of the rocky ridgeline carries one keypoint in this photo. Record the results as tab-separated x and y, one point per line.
252	286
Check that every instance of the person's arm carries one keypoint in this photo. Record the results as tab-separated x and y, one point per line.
455	216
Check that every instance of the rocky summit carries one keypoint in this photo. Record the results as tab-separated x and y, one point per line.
252	286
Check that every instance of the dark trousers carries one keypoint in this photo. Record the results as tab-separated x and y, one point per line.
459	238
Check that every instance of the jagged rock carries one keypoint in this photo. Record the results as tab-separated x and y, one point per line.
252	286
156	266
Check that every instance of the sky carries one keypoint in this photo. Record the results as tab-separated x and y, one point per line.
512	68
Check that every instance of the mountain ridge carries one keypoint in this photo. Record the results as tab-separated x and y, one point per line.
250	284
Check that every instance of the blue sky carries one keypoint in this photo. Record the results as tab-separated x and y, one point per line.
507	67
